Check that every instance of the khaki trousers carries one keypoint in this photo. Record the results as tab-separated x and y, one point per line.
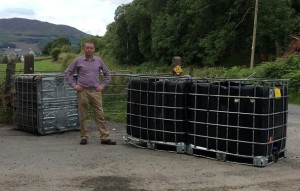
94	98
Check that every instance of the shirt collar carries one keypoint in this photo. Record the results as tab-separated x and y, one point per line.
84	58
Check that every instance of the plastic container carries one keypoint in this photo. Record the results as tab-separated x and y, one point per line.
44	104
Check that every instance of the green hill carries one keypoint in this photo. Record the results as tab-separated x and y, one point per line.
18	30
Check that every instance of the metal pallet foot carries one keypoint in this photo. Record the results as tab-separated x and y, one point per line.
126	139
189	150
151	145
260	161
221	156
180	148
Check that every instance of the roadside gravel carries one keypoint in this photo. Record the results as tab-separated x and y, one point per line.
58	163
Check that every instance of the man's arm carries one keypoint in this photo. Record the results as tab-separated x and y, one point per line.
69	73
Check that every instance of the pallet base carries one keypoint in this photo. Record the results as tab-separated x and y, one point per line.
259	161
179	148
182	148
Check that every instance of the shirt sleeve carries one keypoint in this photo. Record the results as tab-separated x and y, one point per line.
69	73
106	73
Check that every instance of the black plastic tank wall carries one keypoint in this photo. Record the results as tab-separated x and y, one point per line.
156	110
169	111
238	117
25	104
137	102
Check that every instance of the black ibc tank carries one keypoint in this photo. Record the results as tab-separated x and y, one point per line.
237	118
156	110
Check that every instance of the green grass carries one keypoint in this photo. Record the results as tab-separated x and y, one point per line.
42	66
39	66
294	98
47	66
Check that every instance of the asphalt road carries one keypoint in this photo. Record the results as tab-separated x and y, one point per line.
57	162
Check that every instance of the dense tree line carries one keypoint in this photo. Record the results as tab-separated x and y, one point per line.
202	32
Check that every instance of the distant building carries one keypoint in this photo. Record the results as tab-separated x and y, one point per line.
18	53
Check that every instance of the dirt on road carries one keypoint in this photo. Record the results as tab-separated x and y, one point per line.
57	162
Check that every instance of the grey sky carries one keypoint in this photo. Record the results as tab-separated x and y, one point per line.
90	16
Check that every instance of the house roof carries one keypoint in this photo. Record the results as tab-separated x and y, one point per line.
17	51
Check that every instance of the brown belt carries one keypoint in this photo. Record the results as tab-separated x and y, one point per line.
89	88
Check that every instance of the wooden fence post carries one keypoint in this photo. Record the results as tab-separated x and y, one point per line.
29	64
10	72
176	65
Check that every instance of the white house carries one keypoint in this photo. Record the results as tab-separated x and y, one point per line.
18	53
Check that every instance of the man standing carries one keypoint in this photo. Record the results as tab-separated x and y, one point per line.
89	87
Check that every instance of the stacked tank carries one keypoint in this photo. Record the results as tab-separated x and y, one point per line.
44	104
238	120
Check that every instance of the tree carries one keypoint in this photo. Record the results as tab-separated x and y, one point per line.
55	53
204	32
47	49
60	42
5	59
275	25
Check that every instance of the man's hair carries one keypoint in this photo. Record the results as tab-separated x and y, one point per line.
89	42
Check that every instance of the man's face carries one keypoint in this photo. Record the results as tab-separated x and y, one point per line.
89	49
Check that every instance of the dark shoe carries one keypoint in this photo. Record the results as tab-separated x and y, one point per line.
83	141
108	142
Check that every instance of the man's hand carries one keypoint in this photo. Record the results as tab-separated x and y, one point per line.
78	87
100	88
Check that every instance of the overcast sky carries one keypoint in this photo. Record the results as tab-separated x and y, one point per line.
89	16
